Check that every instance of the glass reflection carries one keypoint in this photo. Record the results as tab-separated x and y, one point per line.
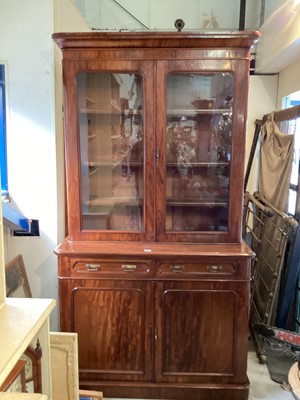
198	151
111	150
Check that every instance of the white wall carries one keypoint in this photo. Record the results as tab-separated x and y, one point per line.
261	101
279	45
289	81
34	149
2	272
271	6
27	49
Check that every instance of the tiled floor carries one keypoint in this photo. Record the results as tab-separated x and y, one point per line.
261	385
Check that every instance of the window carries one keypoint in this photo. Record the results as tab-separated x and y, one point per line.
294	190
3	153
293	126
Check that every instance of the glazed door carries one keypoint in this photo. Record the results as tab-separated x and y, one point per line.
109	188
200	170
113	320
200	332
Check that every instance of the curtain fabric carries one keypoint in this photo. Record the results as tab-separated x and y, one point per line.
276	158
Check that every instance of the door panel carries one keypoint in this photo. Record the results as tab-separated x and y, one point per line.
198	326
197	131
114	325
112	196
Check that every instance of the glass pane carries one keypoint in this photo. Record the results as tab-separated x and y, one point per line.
160	15
198	150
111	150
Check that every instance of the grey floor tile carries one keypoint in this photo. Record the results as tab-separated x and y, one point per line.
261	385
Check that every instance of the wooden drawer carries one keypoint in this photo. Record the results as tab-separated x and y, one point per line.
188	270
99	267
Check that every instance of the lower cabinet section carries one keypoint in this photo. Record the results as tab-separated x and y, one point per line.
146	334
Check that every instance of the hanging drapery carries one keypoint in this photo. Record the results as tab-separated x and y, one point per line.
276	157
274	273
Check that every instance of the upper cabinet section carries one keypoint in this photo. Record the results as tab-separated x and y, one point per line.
155	126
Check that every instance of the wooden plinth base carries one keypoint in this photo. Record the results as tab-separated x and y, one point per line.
176	392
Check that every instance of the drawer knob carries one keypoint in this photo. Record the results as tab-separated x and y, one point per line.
214	268
129	267
92	267
177	268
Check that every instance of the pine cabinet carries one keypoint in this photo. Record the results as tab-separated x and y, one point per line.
154	276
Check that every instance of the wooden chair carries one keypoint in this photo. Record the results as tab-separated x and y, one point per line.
26	376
